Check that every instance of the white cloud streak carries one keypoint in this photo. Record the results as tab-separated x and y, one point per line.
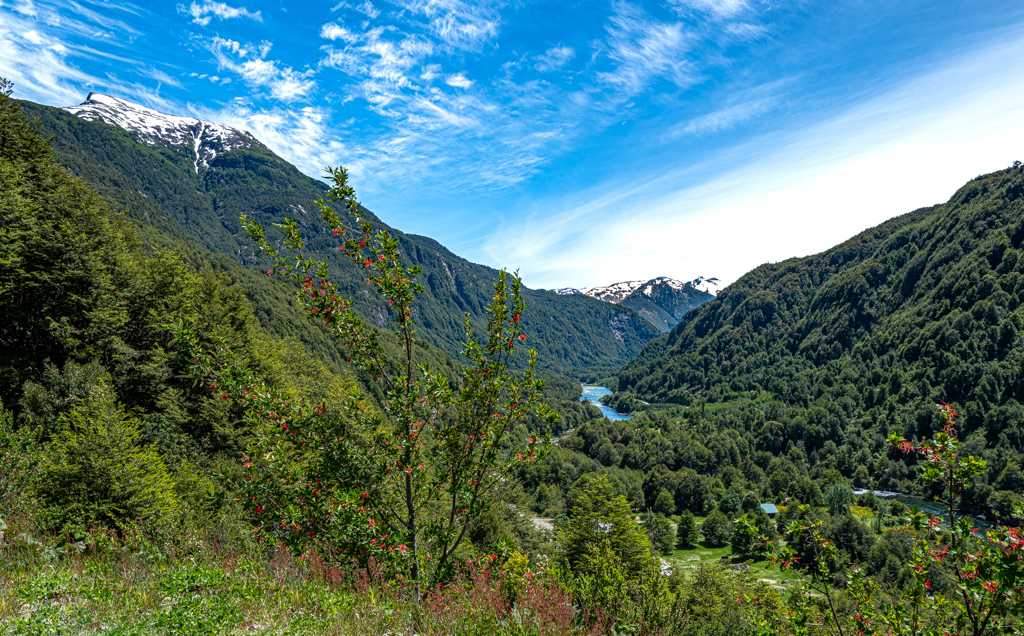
249	61
554	59
642	50
37	54
202	14
716	8
459	25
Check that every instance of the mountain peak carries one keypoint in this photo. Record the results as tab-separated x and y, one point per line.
661	301
202	140
709	285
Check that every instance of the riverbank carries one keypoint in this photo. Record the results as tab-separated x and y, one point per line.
594	394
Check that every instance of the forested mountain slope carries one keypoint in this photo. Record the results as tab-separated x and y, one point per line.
923	307
175	198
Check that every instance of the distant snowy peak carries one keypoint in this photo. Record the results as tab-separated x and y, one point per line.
203	140
614	293
610	294
709	285
620	291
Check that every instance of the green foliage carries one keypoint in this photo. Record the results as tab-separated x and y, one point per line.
84	307
715	528
687	534
665	504
97	471
838	498
601	533
660	532
19	469
747	540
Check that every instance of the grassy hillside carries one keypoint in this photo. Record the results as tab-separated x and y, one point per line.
162	193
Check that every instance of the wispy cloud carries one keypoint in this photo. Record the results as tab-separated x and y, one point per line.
717	8
160	76
369	10
459	25
331	31
740	107
202	14
38	54
249	61
554	59
643	49
458	80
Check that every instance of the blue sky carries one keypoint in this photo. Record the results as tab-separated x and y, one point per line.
581	142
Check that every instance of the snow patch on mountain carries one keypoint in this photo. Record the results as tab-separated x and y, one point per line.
610	294
619	291
202	139
709	285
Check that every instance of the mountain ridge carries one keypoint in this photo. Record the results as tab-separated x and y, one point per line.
169	192
662	301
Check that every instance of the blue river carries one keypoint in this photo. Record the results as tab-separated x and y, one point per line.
594	393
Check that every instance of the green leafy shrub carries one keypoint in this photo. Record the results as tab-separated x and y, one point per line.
97	471
687	534
715	528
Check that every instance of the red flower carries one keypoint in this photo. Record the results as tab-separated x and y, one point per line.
522	336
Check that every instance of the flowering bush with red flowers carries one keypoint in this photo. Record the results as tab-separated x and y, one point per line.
397	480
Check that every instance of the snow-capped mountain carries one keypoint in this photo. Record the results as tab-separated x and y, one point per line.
615	293
202	140
662	301
618	292
709	285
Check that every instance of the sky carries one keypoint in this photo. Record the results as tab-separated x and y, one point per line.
582	143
